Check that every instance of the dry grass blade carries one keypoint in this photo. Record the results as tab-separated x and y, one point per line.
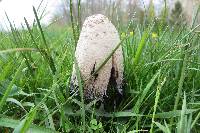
17	50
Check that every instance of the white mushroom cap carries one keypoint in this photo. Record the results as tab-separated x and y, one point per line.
97	40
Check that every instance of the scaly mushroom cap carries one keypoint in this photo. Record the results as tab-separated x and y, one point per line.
97	40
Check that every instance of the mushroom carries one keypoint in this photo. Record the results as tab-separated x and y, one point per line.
97	40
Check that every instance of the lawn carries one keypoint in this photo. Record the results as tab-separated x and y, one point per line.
160	89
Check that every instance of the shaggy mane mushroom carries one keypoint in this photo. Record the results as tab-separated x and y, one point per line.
97	40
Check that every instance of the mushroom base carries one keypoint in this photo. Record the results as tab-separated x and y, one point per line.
111	99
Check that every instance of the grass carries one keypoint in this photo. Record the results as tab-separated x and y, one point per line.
161	81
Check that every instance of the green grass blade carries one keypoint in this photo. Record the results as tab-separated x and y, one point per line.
171	114
41	31
15	101
161	127
79	17
11	123
182	127
25	124
167	127
72	22
81	92
18	41
50	117
30	32
107	58
195	120
60	99
48	53
144	93
156	102
180	84
195	17
140	47
5	71
8	90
